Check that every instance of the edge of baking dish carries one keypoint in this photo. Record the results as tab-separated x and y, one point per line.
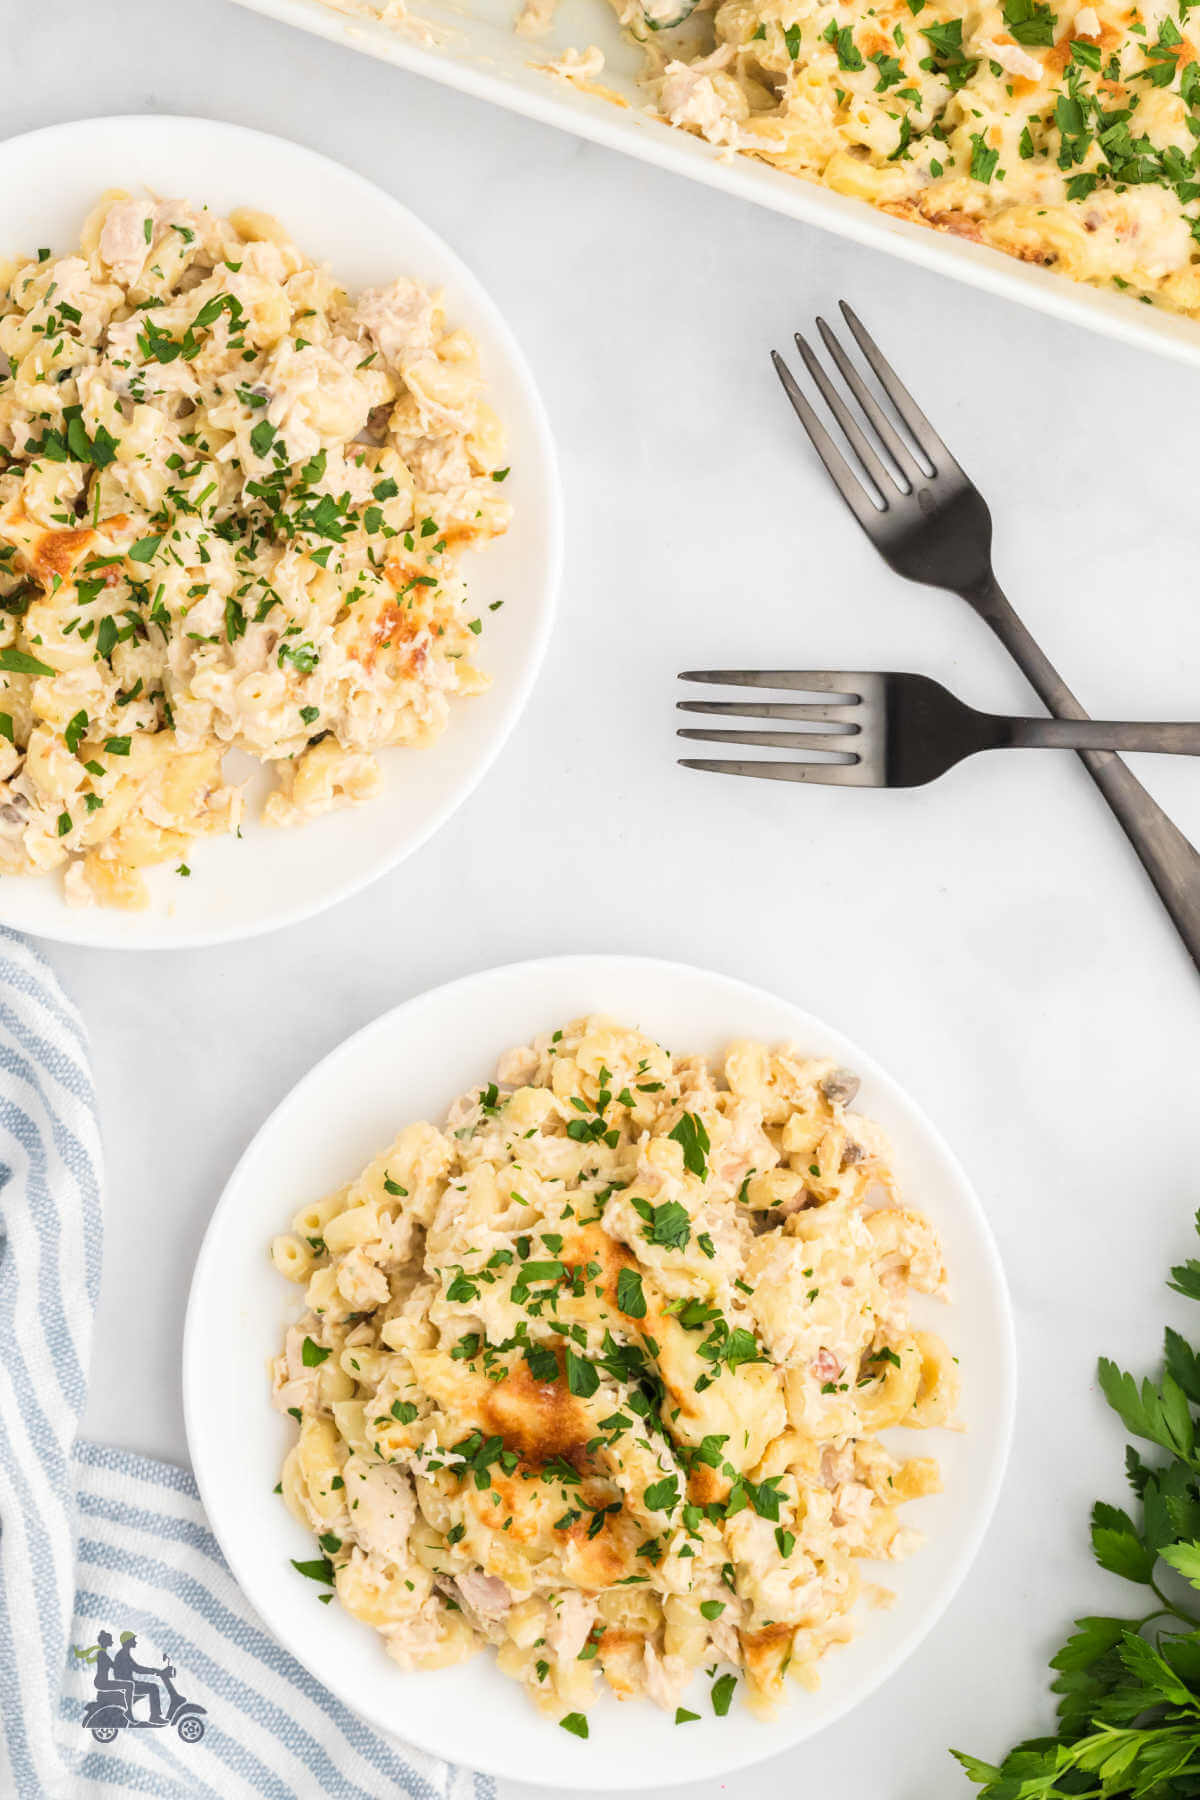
482	56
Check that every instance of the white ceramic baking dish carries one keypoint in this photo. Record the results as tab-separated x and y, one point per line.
475	48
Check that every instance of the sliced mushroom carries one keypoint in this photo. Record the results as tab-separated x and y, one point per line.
375	431
840	1087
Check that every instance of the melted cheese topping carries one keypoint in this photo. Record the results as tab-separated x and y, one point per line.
1064	134
596	1374
232	502
1060	133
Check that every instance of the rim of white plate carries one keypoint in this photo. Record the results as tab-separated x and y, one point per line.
585	973
104	928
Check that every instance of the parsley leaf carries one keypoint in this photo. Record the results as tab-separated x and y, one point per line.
630	1298
690	1132
17	662
1029	22
722	1693
849	56
948	59
662	1496
983	160
669	1224
582	1376
321	1570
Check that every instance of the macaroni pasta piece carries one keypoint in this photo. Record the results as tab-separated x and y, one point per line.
596	1374
232	505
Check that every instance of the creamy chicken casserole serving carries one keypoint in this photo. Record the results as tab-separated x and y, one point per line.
596	1373
1066	134
232	504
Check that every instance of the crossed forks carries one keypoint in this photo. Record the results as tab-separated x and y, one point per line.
931	524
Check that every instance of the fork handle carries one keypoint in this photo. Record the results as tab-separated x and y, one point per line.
1172	863
1100	734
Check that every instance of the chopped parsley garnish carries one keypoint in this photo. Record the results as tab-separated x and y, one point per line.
849	56
630	1298
722	1694
302	657
948	59
691	1133
582	1376
669	1224
983	159
1029	22
19	662
321	1570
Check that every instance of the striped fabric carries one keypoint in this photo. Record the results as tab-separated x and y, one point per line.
94	1540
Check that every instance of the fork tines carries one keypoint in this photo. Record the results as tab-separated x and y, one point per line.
894	466
835	746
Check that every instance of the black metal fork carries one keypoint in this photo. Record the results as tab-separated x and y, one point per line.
890	729
931	524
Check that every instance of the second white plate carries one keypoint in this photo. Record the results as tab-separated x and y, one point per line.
409	1065
49	181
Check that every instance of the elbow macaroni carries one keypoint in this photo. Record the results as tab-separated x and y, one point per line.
596	1374
232	506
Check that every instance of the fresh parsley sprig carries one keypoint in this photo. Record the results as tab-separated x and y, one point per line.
1129	1688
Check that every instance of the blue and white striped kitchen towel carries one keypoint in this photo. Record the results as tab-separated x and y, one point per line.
95	1540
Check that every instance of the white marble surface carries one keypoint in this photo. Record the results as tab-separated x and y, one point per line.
991	939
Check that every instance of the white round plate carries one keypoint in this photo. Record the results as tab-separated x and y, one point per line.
409	1065
49	181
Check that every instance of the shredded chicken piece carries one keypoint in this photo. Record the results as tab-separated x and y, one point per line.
1013	58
